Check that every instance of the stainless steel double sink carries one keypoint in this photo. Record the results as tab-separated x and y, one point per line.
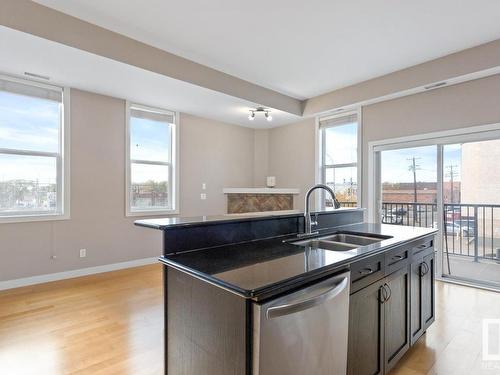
341	241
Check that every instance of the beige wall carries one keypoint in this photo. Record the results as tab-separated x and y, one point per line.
292	147
212	152
291	157
463	105
220	155
261	157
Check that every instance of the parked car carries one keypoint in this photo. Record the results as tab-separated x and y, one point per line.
399	211
392	219
455	228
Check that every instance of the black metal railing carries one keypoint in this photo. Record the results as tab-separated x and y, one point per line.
473	230
409	214
470	230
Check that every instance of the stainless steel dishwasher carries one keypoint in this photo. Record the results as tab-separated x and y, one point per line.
304	332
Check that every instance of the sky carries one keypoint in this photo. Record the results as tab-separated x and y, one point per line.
341	144
396	163
32	124
149	140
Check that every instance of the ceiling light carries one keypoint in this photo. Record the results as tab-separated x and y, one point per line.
265	111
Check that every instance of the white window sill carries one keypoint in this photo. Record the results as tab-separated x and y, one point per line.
151	213
32	218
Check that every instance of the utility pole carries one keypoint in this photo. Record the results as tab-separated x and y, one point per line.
451	174
414	167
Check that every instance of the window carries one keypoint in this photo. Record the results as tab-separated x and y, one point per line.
151	167
32	166
339	144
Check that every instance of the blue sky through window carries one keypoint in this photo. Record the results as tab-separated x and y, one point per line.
341	144
31	124
396	163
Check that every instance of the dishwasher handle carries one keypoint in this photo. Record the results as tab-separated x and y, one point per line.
290	308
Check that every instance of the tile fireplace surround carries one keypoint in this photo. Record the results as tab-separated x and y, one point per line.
241	200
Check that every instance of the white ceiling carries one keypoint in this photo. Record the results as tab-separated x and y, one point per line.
300	48
75	68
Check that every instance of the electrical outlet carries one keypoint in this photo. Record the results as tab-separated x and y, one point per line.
203	196
83	253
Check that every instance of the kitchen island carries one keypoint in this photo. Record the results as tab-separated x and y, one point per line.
226	278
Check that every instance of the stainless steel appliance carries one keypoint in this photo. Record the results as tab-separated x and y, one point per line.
304	332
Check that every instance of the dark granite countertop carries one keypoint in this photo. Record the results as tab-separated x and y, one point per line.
176	222
257	268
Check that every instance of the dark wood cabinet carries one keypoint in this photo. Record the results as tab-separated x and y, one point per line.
416	321
387	316
428	297
422	299
397	315
378	325
366	332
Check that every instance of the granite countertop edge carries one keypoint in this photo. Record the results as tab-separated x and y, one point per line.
179	222
254	293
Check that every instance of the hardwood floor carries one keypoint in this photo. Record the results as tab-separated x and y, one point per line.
112	323
453	344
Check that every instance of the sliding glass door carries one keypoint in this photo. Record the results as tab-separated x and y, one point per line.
471	194
450	183
409	186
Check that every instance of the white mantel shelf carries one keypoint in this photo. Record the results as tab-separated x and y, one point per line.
260	191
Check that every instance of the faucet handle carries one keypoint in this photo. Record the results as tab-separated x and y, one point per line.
315	221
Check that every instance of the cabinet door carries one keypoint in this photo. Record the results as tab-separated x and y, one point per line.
397	316
428	308
366	317
416	317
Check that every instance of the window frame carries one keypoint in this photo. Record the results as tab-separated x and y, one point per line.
62	157
321	166
173	186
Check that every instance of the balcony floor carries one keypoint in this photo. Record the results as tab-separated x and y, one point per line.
484	271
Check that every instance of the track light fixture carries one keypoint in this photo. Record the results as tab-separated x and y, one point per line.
265	111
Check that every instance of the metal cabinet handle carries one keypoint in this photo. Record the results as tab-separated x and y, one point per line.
397	257
366	271
389	291
421	269
424	269
383	294
286	309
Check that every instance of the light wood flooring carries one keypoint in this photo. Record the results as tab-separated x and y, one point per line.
112	323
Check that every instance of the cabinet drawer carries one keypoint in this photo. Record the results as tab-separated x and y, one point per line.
366	271
422	249
396	259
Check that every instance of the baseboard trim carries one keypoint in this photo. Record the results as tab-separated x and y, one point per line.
40	279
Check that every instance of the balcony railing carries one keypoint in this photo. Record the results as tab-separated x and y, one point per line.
470	230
